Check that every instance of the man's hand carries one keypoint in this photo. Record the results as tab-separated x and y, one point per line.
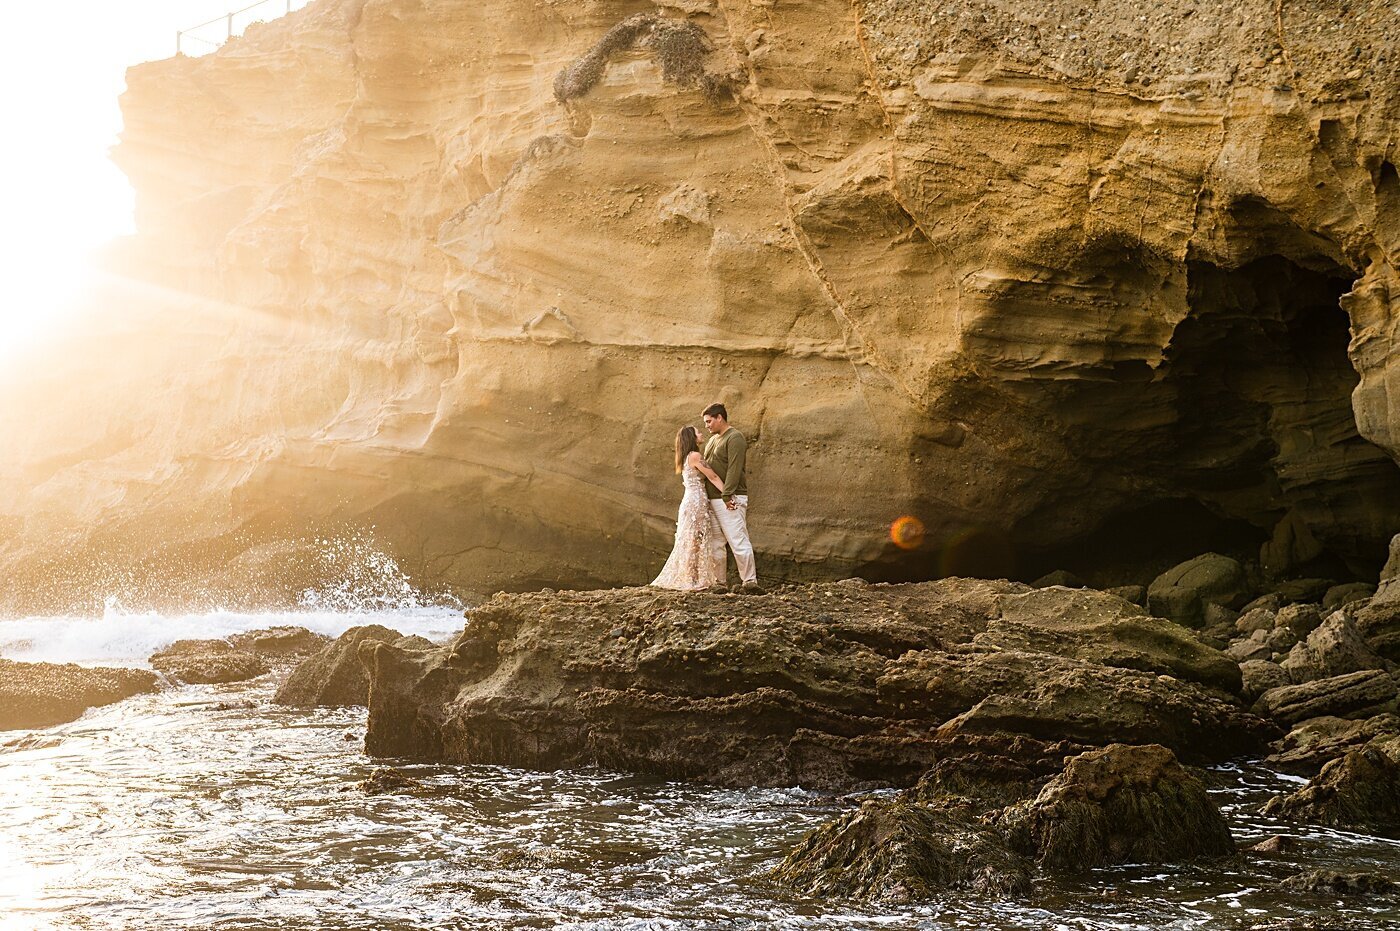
731	504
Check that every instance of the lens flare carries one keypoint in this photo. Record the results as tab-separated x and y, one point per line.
907	532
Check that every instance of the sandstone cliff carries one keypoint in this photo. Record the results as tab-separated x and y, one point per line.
1092	285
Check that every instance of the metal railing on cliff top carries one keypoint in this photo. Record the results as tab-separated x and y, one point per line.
225	27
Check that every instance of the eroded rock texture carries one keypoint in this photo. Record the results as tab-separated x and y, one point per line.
827	685
1085	286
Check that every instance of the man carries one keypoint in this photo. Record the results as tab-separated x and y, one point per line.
724	453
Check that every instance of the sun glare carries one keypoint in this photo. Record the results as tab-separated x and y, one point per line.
62	68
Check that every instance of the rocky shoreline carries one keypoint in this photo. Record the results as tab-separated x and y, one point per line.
1027	729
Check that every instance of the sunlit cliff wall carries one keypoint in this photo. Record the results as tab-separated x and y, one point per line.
1094	285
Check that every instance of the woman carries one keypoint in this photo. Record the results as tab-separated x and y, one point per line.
689	566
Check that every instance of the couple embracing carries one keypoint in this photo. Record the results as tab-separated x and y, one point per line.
713	511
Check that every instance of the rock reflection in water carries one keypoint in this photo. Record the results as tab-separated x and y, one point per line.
209	807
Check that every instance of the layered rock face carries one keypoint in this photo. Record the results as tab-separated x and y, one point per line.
1088	286
829	685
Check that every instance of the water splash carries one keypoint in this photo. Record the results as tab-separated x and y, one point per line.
129	639
359	577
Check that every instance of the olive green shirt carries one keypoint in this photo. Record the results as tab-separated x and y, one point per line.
725	454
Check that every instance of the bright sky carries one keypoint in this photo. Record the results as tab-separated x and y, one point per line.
62	65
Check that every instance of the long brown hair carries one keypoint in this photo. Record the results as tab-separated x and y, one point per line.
687	442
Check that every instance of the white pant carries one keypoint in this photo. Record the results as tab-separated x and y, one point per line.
736	533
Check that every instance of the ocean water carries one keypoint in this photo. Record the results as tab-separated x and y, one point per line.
208	807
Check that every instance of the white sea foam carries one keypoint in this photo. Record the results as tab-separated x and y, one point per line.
119	638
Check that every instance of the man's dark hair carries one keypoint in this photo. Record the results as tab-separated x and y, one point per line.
716	410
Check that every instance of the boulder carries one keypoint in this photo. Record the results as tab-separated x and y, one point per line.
1259	676
1353	695
1317	741
1269	602
1059	577
1281	640
1298	590
824	685
1341	595
897	851
1301	619
1254	647
1218	616
1378	623
1120	804
1133	594
279	643
334	676
384	781
1360	790
1333	649
1332	883
44	694
1277	845
1097	628
207	661
1182	592
1256	619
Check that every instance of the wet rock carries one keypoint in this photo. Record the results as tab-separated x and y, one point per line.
207	661
898	851
1317	741
1354	695
823	685
279	643
1331	882
1059	577
1259	676
44	694
1133	594
1333	649
523	860
334	675
1339	595
1360	790
386	781
1182	592
1120	804
1276	846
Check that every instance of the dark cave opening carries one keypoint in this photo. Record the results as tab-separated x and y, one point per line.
1257	453
1242	440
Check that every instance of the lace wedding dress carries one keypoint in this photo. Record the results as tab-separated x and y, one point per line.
690	566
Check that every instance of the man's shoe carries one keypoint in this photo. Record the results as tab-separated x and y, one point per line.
752	588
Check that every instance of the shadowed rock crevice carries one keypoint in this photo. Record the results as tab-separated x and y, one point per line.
1243	435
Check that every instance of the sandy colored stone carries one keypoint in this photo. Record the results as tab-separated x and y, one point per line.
1332	649
1054	291
334	675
